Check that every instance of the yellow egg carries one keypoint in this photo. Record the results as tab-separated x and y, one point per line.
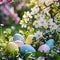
29	39
12	47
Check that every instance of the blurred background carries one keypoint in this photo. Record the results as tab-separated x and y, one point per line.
19	7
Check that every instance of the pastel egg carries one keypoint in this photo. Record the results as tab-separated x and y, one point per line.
12	47
50	43
19	37
19	43
27	49
29	39
44	48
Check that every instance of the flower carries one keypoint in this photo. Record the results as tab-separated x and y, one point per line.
12	47
38	35
31	29
1	25
23	24
52	25
8	31
10	11
10	38
36	24
46	10
45	24
10	1
5	11
20	31
4	1
26	20
27	15
34	10
37	16
17	20
19	6
48	2
41	2
41	22
50	21
13	27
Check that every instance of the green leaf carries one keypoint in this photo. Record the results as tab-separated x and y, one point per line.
38	54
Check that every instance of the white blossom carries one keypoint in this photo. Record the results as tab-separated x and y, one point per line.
48	2
37	16
34	10
38	35
23	24
46	10
36	24
31	29
12	27
27	15
41	1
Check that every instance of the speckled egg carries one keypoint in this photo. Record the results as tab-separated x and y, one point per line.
29	39
27	49
44	48
19	37
50	43
19	43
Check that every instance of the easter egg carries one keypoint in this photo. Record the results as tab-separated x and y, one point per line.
50	43
12	47
44	48
19	37
29	39
27	49
19	43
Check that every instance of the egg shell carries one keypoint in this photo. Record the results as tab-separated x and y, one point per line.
12	47
19	37
50	43
44	48
27	49
19	43
29	39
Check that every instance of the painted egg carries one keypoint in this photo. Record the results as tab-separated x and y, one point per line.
29	39
19	43
44	48
50	43
19	37
27	49
12	47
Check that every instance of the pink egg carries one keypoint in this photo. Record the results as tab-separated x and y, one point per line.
19	43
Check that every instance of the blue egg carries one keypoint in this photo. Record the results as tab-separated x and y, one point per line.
27	49
19	37
50	43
